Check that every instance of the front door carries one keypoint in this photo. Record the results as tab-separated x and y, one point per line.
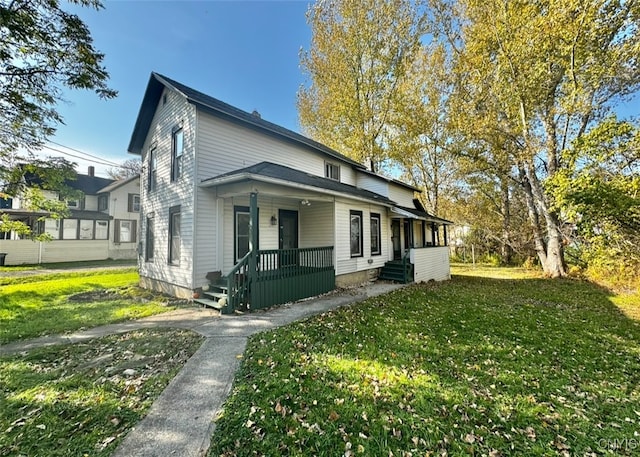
288	237
395	239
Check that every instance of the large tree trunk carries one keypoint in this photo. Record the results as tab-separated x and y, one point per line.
553	264
534	218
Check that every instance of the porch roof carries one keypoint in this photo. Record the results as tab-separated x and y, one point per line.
413	213
74	214
279	174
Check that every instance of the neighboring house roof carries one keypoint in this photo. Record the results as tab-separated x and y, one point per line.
284	174
90	185
114	185
214	106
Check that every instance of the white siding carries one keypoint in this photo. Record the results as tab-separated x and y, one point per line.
374	184
91	202
224	146
344	262
430	263
316	225
401	195
168	194
119	209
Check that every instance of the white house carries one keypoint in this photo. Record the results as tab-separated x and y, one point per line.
102	225
265	215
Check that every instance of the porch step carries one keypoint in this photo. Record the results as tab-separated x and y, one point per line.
207	302
394	270
215	295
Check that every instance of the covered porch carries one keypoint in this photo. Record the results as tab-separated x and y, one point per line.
420	247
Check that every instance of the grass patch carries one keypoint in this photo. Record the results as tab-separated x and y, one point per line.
44	304
82	399
497	362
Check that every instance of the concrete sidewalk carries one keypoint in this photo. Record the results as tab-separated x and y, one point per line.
180	422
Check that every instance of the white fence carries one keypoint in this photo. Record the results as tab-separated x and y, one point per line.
21	252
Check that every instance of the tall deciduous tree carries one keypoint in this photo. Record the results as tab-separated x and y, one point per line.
43	49
128	169
360	53
545	73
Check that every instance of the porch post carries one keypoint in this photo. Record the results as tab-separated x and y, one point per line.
433	233
253	234
444	228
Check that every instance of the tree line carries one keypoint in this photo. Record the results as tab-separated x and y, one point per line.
504	113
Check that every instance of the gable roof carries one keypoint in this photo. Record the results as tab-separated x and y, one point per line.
152	95
285	174
114	185
90	185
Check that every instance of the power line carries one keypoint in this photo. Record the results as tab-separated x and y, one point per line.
98	161
105	162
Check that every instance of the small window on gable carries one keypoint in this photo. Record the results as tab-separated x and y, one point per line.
332	171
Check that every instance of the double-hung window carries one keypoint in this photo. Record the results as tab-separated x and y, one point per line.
133	203
125	231
153	163
376	248
177	149
149	240
332	171
174	235
355	229
241	231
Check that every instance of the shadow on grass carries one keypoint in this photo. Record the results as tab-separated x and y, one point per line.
475	365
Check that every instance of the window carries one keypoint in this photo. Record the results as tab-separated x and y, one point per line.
52	228
125	231
86	229
70	229
6	203
149	238
103	202
102	230
174	235
133	205
177	147
376	248
356	233
72	203
332	171
152	180
241	231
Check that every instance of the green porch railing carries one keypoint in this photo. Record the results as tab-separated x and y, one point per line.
281	276
238	285
286	275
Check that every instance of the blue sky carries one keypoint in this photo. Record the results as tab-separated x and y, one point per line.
245	53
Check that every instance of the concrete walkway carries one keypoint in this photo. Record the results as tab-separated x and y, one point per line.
180	422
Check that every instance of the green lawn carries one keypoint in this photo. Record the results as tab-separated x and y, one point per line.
55	303
82	399
495	362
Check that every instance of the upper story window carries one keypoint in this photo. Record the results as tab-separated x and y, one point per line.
103	202
73	203
332	171
134	203
152	178
177	149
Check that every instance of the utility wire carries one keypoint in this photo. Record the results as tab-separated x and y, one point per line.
98	161
106	162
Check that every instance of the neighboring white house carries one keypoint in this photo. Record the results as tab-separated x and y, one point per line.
101	225
226	193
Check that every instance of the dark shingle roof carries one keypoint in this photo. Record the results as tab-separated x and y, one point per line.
214	106
425	215
90	185
272	170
